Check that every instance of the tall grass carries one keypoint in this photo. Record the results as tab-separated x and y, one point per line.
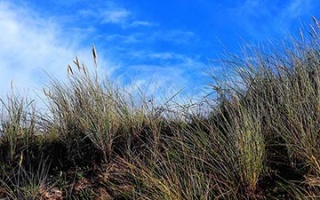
17	124
281	92
94	109
257	139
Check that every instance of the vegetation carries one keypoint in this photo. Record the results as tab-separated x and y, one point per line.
260	140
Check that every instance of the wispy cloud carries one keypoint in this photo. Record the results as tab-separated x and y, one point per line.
138	23
111	13
180	72
122	38
176	37
119	16
264	19
165	57
33	48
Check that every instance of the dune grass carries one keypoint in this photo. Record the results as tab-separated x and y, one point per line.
258	139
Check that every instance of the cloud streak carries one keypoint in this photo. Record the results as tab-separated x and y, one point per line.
33	48
110	13
263	19
115	16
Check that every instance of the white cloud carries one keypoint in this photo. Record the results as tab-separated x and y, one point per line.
119	16
126	39
173	36
166	79
33	48
154	55
110	13
140	23
122	17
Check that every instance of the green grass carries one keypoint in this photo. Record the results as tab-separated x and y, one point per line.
258	139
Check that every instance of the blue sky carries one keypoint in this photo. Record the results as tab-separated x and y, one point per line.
150	44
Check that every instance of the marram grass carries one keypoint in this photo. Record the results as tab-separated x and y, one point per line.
258	139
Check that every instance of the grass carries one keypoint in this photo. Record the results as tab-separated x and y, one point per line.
258	139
